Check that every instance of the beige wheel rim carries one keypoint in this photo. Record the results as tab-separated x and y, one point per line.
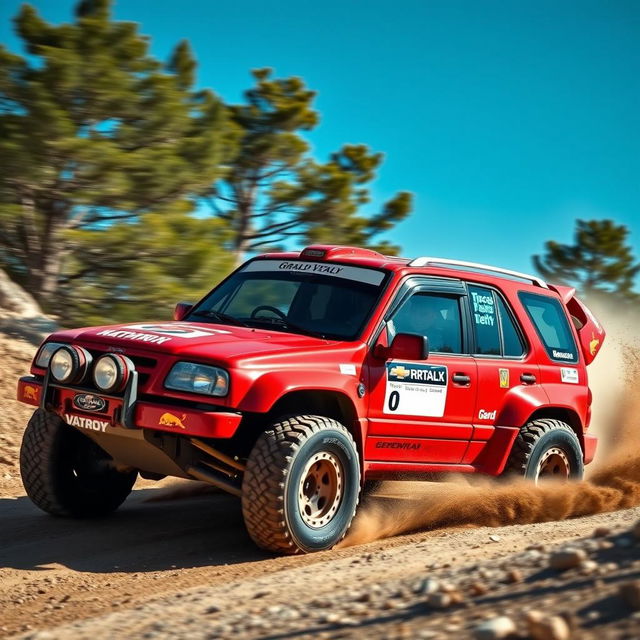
554	464
320	489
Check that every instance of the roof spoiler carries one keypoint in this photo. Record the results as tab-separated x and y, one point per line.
591	333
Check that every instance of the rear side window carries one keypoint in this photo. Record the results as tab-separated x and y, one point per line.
552	326
485	321
513	346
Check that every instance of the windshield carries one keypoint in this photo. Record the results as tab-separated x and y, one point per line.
320	299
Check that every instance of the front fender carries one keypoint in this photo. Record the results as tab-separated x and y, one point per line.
271	386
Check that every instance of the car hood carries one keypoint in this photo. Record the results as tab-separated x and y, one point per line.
208	340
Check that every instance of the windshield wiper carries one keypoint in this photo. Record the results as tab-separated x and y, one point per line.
222	317
282	323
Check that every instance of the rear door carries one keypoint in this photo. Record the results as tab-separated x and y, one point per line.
422	411
504	358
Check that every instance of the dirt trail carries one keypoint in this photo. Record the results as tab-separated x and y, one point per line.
55	571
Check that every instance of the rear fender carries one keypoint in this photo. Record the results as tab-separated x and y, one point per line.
520	402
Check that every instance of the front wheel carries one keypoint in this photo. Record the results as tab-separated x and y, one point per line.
546	449
65	473
301	485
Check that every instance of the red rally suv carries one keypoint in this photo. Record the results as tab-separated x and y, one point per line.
303	377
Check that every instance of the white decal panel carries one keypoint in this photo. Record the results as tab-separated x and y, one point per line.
569	375
415	389
160	332
360	274
348	369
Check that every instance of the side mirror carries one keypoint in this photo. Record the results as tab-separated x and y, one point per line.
181	310
404	346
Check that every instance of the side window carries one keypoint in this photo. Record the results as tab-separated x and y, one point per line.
485	321
434	316
513	347
552	326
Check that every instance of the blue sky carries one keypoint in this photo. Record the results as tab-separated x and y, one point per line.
507	120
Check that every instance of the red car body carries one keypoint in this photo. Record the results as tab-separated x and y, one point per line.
487	397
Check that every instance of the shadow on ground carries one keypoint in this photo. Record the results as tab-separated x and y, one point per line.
141	536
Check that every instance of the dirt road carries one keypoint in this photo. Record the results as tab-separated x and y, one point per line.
186	567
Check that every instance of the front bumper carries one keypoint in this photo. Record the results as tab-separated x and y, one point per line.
182	420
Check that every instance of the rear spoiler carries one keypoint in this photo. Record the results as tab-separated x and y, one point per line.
591	333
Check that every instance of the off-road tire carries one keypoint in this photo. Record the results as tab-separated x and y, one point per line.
274	474
65	473
535	440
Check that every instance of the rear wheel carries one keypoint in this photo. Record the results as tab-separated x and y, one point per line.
67	474
301	485
546	449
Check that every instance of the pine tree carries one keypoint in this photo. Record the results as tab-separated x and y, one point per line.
598	262
94	130
274	193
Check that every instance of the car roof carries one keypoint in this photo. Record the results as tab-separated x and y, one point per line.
441	267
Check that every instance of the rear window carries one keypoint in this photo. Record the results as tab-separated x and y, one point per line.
552	326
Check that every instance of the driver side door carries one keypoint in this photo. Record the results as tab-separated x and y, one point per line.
422	411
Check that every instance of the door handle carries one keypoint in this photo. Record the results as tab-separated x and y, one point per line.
527	378
461	378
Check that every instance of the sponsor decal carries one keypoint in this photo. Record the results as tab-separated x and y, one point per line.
484	312
360	274
161	333
169	420
89	402
399	372
594	344
30	393
178	330
398	445
415	389
486	415
563	355
504	378
348	369
569	375
86	423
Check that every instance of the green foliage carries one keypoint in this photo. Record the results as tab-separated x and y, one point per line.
92	130
598	262
274	192
152	264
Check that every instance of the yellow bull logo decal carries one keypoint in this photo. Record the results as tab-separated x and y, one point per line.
30	393
169	420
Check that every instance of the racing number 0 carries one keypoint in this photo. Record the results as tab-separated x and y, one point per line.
394	400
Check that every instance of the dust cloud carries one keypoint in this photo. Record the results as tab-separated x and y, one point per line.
613	480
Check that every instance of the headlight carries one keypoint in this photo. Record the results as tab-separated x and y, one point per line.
198	378
45	353
69	364
112	372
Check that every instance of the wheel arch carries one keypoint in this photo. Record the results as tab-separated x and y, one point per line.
564	414
328	403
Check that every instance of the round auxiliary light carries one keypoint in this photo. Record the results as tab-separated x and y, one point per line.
112	372
69	364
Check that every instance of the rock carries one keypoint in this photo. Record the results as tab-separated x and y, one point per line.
630	593
478	588
495	629
427	587
439	600
588	566
544	627
635	530
601	532
566	558
494	538
515	575
214	608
